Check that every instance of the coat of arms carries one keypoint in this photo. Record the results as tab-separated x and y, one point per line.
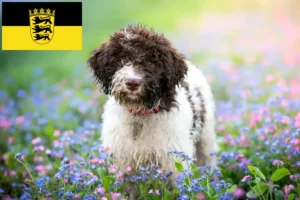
41	25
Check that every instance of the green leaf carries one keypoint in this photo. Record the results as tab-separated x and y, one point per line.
279	174
195	171
178	166
167	195
143	188
232	189
187	181
256	172
291	197
257	190
10	161
106	182
215	196
251	194
257	180
175	192
260	188
101	171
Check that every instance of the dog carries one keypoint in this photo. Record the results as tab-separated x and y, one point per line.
158	101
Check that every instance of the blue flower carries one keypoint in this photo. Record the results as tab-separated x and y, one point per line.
18	155
1	191
195	186
181	155
166	175
137	178
186	173
142	169
218	185
14	184
76	178
217	173
69	195
226	196
61	192
25	196
89	197
92	181
117	184
204	169
179	179
91	156
40	182
102	156
183	197
21	93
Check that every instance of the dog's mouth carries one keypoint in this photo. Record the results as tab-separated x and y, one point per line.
128	99
132	96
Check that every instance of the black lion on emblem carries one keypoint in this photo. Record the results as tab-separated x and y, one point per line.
38	20
38	29
44	36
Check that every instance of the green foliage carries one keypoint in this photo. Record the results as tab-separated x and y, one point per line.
178	166
279	174
266	189
256	172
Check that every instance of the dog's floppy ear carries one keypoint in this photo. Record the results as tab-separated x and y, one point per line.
174	62
175	69
178	67
97	64
102	65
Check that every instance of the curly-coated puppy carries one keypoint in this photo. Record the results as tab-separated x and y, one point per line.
157	101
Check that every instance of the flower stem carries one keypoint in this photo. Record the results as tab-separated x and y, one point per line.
28	170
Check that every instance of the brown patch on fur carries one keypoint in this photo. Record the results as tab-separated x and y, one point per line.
151	53
203	110
187	88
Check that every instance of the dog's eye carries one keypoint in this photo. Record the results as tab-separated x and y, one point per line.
150	65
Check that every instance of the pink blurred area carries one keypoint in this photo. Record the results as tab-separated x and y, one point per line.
266	33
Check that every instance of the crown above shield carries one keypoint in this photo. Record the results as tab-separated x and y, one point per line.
41	11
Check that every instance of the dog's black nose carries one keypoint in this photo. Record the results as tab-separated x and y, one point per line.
132	84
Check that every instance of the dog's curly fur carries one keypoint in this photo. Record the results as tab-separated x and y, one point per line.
186	118
149	52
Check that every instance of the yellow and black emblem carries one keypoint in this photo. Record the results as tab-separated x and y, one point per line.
42	25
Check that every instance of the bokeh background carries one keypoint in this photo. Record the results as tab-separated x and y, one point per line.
249	50
195	27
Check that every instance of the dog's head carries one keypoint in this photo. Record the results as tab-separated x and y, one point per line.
139	67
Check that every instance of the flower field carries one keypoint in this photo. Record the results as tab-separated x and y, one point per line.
50	147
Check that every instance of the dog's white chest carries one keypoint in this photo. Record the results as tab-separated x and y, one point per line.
143	140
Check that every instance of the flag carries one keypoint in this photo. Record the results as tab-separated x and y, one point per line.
41	26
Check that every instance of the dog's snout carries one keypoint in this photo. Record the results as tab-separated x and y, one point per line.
132	83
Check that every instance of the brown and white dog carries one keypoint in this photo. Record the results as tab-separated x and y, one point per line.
157	101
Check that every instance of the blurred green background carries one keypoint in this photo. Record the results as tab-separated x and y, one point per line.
100	18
